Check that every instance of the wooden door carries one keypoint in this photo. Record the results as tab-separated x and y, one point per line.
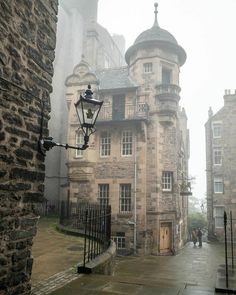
165	238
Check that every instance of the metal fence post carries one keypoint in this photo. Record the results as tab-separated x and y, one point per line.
85	236
62	213
226	253
232	239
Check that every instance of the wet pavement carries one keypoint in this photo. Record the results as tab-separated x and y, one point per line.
53	252
191	271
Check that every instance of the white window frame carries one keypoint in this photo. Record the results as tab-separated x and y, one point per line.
79	141
127	143
105	144
125	198
147	68
217	156
218	183
119	240
103	194
217	129
219	216
167	181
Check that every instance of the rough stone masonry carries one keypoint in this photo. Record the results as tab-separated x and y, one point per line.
27	43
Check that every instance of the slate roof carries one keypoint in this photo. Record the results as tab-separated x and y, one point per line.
155	34
116	78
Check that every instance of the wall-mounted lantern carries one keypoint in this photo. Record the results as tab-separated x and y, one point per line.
185	188
87	109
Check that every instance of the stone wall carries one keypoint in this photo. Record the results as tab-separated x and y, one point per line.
27	43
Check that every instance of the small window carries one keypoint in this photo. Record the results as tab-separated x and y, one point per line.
105	144
147	67
125	198
217	129
218	185
166	76
79	141
167	181
219	217
103	194
127	140
119	239
217	156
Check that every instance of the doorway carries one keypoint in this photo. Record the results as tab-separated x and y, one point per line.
165	237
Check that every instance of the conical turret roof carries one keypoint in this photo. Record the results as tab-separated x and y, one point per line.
156	35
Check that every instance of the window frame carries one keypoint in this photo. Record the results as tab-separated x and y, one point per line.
126	144
147	68
214	128
217	157
105	146
79	140
167	175
119	239
218	217
103	194
216	182
125	198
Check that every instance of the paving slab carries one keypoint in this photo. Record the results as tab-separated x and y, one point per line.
191	271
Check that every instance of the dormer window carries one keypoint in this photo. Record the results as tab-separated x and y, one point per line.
147	68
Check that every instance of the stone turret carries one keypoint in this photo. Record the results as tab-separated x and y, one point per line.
158	57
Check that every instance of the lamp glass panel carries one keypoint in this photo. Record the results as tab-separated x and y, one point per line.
90	112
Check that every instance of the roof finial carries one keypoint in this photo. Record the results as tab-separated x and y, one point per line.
156	12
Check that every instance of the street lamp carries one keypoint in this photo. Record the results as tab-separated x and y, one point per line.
87	109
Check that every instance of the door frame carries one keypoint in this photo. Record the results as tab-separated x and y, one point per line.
170	225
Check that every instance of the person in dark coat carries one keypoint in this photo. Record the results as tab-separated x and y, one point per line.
199	235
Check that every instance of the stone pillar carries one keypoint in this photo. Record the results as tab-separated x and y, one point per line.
27	43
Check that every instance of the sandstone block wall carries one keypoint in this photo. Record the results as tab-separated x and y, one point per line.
27	43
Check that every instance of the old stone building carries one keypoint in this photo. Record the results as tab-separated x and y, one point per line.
78	33
220	164
27	43
138	158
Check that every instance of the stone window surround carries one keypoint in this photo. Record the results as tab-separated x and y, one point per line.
79	140
167	181
126	143
125	198
105	144
217	156
219	216
218	185
103	193
147	68
216	129
119	239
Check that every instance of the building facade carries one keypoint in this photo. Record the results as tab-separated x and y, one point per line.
220	164
138	158
78	34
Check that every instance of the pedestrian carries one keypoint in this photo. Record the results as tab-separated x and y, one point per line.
194	237
199	235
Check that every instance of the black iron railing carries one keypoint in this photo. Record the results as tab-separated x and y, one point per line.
93	221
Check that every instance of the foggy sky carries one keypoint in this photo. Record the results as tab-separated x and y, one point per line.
206	30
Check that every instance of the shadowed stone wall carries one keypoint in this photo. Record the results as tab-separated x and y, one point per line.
27	43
